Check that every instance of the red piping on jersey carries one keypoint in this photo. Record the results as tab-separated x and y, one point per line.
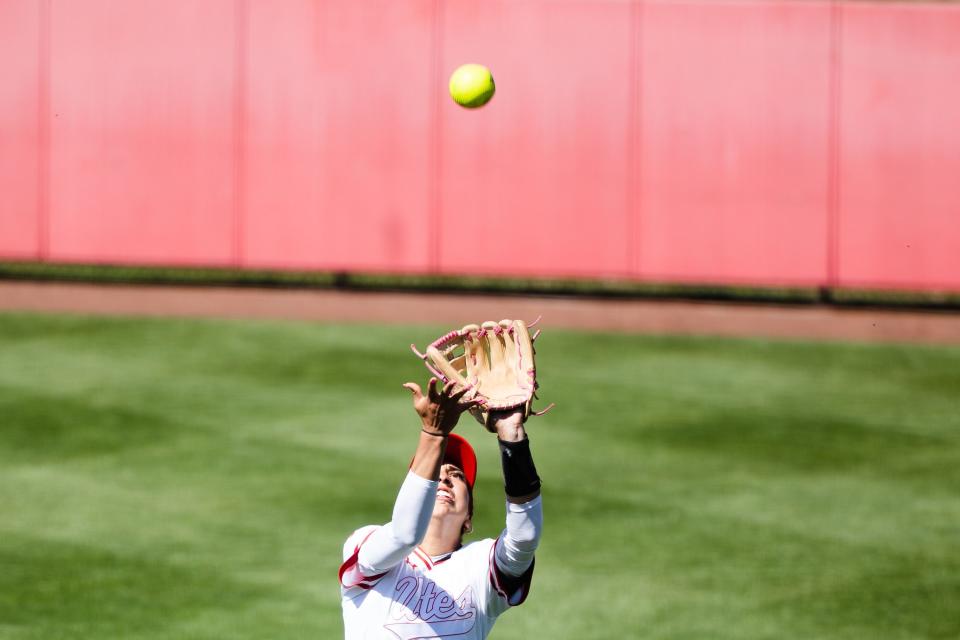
365	582
493	571
424	557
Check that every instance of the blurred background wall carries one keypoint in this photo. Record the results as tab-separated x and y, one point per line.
767	143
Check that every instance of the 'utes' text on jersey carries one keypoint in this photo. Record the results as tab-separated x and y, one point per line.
458	595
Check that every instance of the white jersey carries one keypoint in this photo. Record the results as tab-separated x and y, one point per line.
458	595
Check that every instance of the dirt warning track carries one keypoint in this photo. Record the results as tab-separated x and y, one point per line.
635	316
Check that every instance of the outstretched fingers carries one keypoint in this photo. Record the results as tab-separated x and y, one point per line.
464	396
414	389
432	390
457	394
440	406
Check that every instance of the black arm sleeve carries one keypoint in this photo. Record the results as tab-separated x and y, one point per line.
519	474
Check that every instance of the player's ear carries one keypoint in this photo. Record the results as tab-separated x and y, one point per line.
467	527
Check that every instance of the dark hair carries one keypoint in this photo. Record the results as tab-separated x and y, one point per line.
463	530
470	493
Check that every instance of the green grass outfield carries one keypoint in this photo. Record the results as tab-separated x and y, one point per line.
195	479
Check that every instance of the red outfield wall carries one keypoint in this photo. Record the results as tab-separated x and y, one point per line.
780	143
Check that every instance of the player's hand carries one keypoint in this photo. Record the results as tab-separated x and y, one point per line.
439	410
508	425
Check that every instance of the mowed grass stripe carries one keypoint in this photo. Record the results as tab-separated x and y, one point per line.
196	479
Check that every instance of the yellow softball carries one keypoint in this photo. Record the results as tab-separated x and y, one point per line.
471	86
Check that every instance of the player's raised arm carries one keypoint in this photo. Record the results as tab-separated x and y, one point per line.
439	411
524	523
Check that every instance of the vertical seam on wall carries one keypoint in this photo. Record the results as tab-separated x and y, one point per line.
635	111
43	132
320	210
434	171
239	129
833	177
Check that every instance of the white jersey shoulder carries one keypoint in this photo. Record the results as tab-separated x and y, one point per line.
456	595
356	538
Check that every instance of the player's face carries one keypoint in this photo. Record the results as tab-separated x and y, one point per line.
452	494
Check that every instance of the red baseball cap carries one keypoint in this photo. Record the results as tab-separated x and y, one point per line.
460	453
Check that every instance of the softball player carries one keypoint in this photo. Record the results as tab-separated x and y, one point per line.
413	578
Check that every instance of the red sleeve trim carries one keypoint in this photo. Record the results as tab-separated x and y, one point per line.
350	575
513	589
